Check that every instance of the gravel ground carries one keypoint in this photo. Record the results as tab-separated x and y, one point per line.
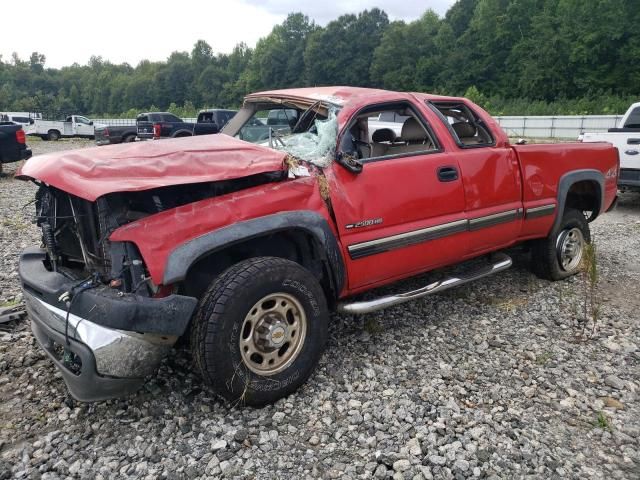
491	380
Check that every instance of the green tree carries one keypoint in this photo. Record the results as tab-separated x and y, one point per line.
342	52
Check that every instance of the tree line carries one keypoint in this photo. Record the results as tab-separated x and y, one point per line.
511	56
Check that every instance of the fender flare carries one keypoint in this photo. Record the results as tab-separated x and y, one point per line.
568	180
184	256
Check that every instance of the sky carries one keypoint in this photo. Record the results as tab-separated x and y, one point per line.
130	31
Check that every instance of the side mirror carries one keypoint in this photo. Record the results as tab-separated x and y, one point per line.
90	123
349	162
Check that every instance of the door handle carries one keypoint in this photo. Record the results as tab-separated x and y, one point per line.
631	152
633	141
447	174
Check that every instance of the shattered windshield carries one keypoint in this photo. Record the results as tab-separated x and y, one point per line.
308	134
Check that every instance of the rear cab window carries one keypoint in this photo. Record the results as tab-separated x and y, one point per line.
465	126
633	121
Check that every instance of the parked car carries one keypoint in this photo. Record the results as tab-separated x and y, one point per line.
626	137
155	125
387	120
13	145
71	126
106	135
246	248
26	119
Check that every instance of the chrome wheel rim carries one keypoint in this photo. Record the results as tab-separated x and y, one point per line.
273	334
570	249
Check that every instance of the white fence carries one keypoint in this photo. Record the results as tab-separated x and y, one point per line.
525	126
557	126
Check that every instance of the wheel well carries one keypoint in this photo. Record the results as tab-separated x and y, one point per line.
585	196
296	245
54	130
182	134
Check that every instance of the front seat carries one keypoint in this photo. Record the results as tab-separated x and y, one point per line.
379	149
414	136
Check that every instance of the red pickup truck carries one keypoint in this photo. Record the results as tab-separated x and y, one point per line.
243	249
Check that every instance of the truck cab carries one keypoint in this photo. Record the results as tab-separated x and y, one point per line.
79	126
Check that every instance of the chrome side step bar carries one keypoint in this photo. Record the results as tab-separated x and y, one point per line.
500	262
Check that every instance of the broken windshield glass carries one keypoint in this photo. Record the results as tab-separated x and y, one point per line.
317	145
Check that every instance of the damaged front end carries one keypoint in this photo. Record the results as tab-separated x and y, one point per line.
92	304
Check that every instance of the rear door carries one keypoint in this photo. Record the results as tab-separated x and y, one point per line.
491	177
404	213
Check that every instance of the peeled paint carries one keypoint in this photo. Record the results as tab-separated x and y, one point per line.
314	148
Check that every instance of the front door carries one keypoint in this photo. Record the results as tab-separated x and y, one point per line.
404	213
83	126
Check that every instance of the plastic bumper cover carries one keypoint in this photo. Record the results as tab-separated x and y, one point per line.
107	362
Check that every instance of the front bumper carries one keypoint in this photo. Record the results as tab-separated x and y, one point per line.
99	361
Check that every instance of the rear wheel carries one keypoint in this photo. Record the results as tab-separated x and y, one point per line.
53	135
260	330
129	139
560	254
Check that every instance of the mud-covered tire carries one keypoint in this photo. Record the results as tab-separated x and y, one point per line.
545	253
221	321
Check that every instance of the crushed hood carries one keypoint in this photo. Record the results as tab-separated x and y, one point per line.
92	172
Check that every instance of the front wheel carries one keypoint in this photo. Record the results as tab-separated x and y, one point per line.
260	330
560	254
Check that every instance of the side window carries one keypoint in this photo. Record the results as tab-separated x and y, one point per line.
388	131
466	127
634	119
224	118
171	118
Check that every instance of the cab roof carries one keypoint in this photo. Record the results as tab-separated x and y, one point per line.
343	95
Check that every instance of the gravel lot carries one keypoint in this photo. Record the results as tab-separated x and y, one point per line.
486	381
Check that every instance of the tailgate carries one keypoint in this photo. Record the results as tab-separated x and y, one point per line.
102	134
145	129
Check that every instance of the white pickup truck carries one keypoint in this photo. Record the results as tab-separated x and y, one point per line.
71	126
626	137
